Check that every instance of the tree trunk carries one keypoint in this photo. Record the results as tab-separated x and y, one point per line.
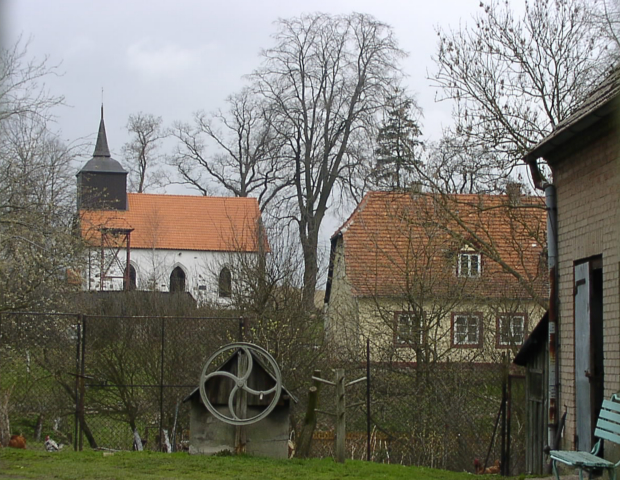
5	428
307	430
38	428
311	269
84	426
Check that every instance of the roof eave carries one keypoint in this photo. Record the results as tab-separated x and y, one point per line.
564	135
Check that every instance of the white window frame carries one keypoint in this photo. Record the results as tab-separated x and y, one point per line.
516	328
412	324
465	329
469	272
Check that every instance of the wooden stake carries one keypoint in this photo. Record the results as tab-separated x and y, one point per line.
340	416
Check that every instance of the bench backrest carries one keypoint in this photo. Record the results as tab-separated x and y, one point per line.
608	425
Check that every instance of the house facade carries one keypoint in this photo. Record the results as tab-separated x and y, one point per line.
168	243
437	278
584	320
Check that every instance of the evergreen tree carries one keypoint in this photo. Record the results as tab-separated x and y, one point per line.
398	143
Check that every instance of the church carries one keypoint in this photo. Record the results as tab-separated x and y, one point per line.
160	242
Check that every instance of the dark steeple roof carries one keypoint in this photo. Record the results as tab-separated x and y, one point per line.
101	148
102	161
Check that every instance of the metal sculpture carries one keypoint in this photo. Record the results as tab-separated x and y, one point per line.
241	383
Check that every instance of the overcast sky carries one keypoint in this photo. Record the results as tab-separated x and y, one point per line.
171	58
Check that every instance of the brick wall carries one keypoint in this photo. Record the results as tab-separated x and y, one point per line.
587	178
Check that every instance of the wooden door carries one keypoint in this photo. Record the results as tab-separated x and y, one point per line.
583	406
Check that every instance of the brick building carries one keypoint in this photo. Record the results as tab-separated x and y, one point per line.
584	246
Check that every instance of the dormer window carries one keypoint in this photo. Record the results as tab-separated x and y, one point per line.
469	264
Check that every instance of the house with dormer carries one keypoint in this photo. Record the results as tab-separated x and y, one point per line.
167	243
436	277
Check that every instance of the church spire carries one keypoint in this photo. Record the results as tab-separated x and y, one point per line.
101	148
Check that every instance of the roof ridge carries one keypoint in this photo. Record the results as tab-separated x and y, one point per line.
168	195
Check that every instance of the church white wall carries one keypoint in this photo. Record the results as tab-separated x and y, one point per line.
153	269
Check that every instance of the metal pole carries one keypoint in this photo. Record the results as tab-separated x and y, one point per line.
508	415
368	399
77	383
503	426
102	262
126	275
340	416
82	384
161	384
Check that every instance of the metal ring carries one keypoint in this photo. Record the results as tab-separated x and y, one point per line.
241	384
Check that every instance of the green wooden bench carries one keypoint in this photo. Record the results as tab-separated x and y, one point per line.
607	428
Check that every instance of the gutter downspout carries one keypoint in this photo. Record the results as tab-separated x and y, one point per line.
553	380
554	358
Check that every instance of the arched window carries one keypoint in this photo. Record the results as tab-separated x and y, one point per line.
177	280
132	279
225	283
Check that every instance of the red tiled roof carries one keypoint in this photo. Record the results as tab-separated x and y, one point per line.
399	243
180	222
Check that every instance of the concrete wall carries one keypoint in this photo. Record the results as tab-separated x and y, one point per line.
267	438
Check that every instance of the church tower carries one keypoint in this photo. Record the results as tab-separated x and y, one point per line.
102	182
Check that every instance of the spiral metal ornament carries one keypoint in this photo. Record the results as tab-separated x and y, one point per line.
241	383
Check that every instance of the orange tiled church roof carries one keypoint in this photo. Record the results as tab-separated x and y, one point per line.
395	243
180	222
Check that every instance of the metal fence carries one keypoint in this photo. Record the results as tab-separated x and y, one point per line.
91	381
440	416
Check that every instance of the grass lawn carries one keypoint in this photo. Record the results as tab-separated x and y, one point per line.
28	464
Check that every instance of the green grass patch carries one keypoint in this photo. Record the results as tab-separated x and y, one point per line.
28	464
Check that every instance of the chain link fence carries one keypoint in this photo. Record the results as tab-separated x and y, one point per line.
91	381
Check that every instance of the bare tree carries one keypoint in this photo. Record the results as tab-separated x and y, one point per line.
325	79
22	87
36	188
514	78
141	153
36	205
453	165
606	20
247	162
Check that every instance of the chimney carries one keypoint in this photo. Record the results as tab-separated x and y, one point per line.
513	190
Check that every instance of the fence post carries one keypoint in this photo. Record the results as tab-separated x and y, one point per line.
82	385
503	410
77	383
161	384
508	424
340	416
368	399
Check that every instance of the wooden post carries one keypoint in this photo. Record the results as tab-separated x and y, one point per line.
341	405
340	416
307	430
241	405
